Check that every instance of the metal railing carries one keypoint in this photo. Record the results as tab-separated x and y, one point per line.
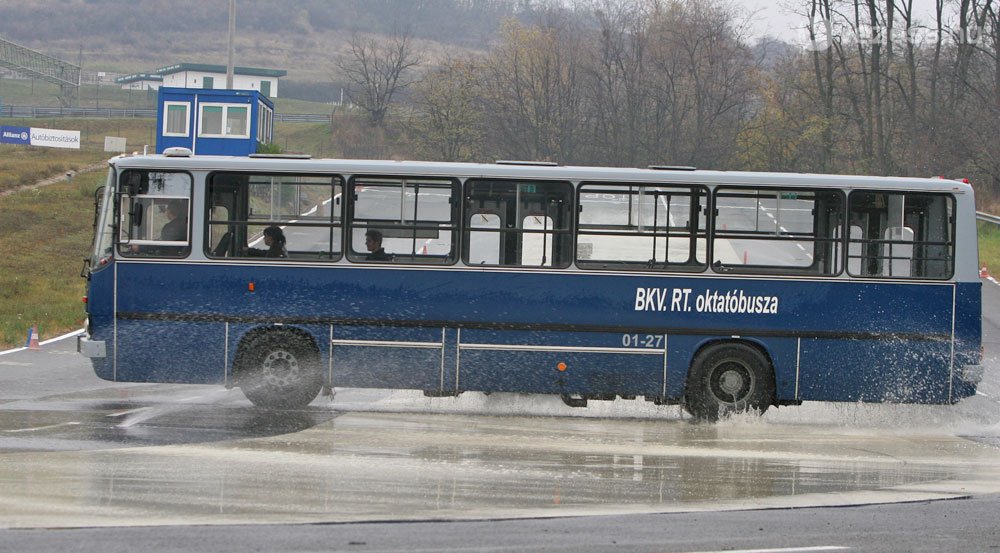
987	218
33	112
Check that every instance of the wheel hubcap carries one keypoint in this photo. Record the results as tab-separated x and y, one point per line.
280	368
732	382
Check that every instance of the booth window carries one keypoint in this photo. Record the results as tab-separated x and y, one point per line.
224	121
175	118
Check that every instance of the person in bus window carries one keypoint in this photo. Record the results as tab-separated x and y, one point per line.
274	239
373	242
175	230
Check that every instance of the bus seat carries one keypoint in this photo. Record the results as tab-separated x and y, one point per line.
222	249
898	257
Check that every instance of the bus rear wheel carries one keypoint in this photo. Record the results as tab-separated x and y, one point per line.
728	378
279	370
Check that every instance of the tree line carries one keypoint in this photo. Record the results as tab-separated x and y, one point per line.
873	89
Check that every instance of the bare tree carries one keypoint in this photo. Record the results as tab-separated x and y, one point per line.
377	70
619	99
703	81
447	119
530	92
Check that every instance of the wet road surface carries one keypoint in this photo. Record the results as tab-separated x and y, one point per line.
76	451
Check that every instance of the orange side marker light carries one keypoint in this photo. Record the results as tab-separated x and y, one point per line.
250	287
561	366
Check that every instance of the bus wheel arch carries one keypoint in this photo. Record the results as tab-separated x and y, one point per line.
278	367
729	376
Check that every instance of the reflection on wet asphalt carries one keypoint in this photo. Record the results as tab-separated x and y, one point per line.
101	425
174	454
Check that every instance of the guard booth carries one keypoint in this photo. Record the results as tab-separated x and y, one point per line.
213	122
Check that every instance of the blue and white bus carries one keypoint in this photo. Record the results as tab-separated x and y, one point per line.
721	291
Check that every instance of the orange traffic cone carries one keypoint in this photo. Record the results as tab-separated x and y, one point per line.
33	341
984	272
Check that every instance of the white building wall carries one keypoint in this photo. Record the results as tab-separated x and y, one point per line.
195	79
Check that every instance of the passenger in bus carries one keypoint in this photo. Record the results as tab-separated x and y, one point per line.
373	241
274	239
175	229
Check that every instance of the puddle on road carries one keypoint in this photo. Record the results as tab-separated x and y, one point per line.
401	466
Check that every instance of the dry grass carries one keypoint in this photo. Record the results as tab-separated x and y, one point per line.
45	234
989	246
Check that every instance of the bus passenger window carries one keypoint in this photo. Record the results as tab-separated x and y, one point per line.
778	231
305	210
155	214
518	223
416	218
642	227
901	235
484	239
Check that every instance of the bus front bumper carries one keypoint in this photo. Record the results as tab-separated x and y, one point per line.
90	348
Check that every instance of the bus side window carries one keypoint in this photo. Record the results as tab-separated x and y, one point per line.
305	207
417	218
155	214
484	246
527	222
901	235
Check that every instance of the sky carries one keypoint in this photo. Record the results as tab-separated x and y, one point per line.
777	19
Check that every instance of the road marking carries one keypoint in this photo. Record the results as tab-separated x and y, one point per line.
64	336
49	341
41	427
129	412
781	550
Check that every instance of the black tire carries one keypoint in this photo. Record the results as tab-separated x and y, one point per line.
728	378
279	369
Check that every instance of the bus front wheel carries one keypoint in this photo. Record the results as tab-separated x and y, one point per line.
279	370
729	378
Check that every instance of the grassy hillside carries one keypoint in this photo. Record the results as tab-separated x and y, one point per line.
301	36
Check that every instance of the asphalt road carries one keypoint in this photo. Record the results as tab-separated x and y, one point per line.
88	465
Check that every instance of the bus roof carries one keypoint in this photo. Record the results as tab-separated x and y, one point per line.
512	170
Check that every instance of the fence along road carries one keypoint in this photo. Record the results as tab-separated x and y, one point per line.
48	112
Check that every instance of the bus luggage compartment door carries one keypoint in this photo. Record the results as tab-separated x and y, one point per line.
545	362
390	357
